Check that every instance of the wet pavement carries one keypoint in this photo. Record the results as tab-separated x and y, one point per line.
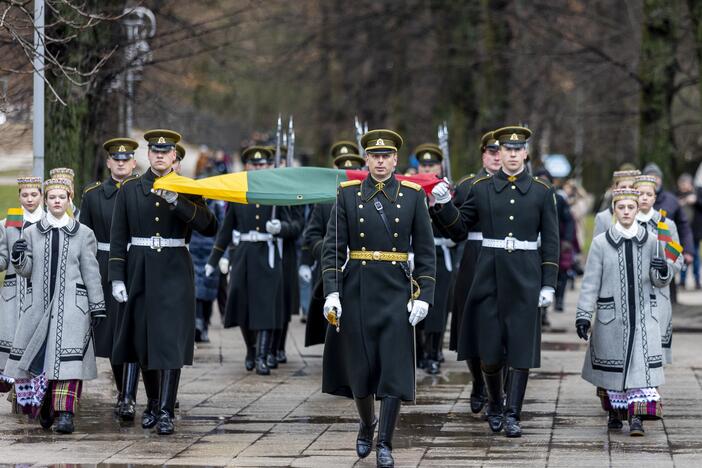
231	417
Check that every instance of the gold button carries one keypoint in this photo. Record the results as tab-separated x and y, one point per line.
511	218
510	234
258	217
398	205
361	220
395	234
376	255
394	262
258	228
258	206
513	187
512	201
397	220
158	234
363	235
358	193
394	249
363	262
156	219
363	249
360	206
402	194
158	250
158	204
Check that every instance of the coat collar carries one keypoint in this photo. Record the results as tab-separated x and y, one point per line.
370	187
147	181
615	238
522	180
110	187
70	229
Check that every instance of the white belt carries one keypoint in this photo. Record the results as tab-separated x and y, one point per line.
445	244
104	246
255	236
475	236
157	242
510	244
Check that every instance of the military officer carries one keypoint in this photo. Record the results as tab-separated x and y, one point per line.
513	208
345	156
180	154
432	329
96	212
256	261
463	320
378	222
154	278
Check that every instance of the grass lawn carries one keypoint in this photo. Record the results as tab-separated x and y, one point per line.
8	199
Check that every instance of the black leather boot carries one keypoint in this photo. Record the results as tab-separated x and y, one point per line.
433	365
264	346
64	422
166	405
151	380
493	386
477	392
389	412
366	429
280	356
118	373
250	341
515	398
636	426
614	420
46	414
130	382
272	356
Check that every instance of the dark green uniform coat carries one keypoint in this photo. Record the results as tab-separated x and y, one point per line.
255	298
312	242
436	319
157	326
96	210
291	283
373	353
505	292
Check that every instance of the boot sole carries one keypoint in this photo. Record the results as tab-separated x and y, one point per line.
637	433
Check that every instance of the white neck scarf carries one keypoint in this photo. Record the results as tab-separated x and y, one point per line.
57	222
33	217
644	217
627	233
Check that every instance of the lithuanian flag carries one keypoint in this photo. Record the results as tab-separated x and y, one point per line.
281	186
15	218
673	250
664	234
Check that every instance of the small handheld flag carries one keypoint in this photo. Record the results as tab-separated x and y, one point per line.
15	218
673	250
664	234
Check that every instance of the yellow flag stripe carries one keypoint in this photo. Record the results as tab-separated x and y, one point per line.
228	187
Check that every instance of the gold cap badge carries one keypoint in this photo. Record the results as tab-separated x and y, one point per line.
380	142
514	137
344	150
426	156
348	164
257	155
122	149
161	140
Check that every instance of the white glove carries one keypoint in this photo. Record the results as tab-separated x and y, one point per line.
305	273
167	195
332	302
441	193
209	269
546	296
119	291
223	265
410	260
418	311
273	226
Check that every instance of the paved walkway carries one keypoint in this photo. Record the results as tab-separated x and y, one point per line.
232	417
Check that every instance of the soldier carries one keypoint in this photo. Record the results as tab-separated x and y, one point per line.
255	261
180	154
513	208
431	331
374	225
463	318
156	327
69	174
345	154
96	212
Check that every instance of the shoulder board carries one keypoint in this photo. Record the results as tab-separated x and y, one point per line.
487	177
92	186
350	183
465	179
536	179
129	179
410	184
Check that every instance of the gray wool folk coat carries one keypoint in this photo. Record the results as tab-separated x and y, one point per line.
64	321
618	297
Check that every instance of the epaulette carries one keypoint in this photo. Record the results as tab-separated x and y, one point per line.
94	185
536	179
465	179
410	184
349	183
487	177
129	179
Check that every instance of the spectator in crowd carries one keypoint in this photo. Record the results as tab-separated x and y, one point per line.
688	197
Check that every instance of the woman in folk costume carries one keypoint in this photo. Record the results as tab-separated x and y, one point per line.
624	359
650	219
52	352
68	174
14	288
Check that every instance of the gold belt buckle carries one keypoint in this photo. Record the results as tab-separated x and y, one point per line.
376	255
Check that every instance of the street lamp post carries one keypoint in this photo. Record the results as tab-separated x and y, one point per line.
38	121
140	23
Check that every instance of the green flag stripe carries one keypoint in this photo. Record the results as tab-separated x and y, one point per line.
294	185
